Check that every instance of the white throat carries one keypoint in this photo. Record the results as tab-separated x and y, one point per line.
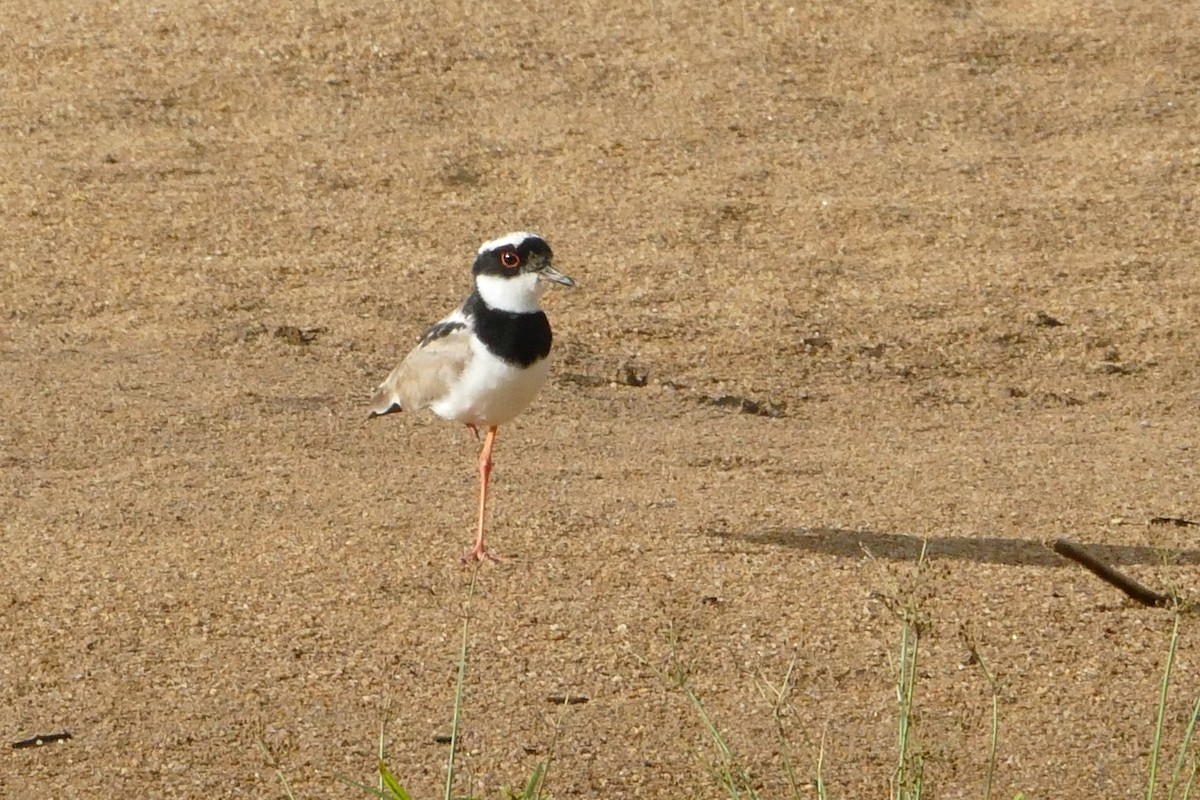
519	294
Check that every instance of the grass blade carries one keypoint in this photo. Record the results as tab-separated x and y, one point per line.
1156	747
1181	759
274	762
458	691
908	777
821	795
533	789
1187	787
734	778
392	783
994	737
728	776
992	744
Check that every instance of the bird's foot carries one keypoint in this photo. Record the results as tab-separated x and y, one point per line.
481	554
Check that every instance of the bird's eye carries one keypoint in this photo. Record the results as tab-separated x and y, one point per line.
509	259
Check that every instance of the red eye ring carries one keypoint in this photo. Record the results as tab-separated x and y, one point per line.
509	259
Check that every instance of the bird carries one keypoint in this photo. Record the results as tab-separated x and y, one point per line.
485	362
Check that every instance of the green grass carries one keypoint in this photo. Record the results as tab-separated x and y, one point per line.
1184	755
731	773
908	779
733	776
273	760
777	698
390	787
994	737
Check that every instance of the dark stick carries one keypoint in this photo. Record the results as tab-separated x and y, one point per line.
1178	522
1135	590
42	739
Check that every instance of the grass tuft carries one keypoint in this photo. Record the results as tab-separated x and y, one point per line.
908	779
390	787
777	698
989	775
274	762
1184	755
732	776
910	766
459	685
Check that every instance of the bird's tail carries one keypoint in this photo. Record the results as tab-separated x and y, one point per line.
384	401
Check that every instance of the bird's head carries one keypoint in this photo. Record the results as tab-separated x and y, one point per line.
512	272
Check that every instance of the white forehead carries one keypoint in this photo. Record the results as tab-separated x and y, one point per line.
508	240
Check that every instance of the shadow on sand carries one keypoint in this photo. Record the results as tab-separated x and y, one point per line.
985	550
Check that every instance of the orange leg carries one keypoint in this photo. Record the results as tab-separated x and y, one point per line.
479	551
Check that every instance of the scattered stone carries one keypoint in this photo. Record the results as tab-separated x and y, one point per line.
817	343
461	175
296	335
745	405
248	333
1044	320
580	379
1041	399
631	375
1055	398
1115	368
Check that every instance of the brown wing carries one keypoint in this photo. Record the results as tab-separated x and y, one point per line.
426	374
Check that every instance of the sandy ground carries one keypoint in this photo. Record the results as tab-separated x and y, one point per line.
890	272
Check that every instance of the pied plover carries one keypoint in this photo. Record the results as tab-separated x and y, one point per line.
484	363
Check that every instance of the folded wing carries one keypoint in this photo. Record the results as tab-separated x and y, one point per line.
428	372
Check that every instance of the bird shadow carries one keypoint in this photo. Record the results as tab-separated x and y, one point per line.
843	543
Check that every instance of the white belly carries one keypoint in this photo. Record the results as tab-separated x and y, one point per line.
491	391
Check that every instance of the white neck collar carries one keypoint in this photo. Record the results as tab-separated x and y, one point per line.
519	294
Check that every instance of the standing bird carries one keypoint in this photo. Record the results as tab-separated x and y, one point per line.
484	363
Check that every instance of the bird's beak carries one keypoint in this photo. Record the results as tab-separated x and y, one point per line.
549	273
